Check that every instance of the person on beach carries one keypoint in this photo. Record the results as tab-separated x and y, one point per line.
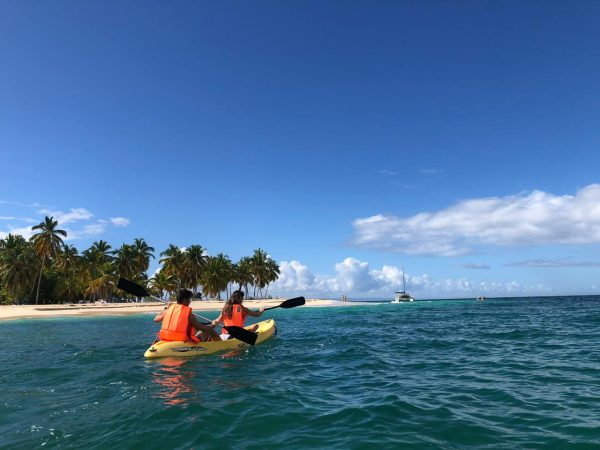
179	324
234	314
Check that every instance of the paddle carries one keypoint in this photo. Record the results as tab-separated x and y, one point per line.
249	336
135	289
239	333
291	303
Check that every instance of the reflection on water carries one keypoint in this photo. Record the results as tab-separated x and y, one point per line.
177	377
175	381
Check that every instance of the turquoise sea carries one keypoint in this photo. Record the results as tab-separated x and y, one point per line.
500	374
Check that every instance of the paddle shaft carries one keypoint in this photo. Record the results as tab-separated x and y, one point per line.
290	303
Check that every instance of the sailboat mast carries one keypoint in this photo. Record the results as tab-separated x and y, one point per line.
403	280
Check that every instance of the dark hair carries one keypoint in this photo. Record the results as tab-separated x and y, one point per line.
183	295
237	297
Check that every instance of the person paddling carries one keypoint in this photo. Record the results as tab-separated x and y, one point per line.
234	314
179	324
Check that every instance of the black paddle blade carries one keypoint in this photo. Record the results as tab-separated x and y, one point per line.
241	334
291	303
132	288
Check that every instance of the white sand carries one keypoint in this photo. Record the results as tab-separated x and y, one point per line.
109	309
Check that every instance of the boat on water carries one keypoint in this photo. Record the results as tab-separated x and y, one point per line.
402	296
266	330
481	298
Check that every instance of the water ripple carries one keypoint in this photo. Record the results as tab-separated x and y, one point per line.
510	373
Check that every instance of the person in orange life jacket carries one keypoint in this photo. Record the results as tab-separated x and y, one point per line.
234	313
179	324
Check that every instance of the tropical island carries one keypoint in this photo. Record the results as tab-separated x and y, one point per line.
45	270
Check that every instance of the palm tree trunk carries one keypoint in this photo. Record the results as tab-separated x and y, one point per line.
37	294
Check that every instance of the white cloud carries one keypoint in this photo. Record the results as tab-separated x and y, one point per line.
119	221
475	266
84	227
74	215
536	218
353	275
355	279
551	263
28	205
294	275
26	232
89	230
20	219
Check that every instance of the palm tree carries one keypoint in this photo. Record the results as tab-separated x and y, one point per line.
194	260
17	265
105	281
259	269
216	275
99	253
69	287
126	262
173	263
67	259
143	253
264	270
46	242
272	273
70	284
242	273
162	282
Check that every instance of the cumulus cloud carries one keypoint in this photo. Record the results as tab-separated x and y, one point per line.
89	230
537	218
550	263
74	215
119	221
26	232
355	278
79	223
294	276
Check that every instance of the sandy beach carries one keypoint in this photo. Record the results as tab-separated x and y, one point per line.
8	312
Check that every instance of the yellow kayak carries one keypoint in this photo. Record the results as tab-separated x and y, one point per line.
266	330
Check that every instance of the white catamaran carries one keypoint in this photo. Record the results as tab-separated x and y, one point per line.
402	296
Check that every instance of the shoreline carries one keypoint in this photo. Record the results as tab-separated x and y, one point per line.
13	312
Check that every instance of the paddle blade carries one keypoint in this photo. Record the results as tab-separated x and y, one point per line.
241	334
291	303
132	288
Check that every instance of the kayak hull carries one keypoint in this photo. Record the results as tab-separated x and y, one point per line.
266	330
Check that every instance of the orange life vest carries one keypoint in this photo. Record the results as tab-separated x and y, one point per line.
176	325
237	318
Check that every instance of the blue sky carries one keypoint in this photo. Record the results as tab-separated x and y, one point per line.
459	139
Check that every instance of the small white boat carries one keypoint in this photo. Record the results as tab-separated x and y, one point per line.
402	296
481	298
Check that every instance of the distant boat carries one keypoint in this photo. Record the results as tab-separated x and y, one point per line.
402	296
481	298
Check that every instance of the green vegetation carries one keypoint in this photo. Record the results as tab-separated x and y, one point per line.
44	269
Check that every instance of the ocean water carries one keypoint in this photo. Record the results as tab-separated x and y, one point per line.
500	374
